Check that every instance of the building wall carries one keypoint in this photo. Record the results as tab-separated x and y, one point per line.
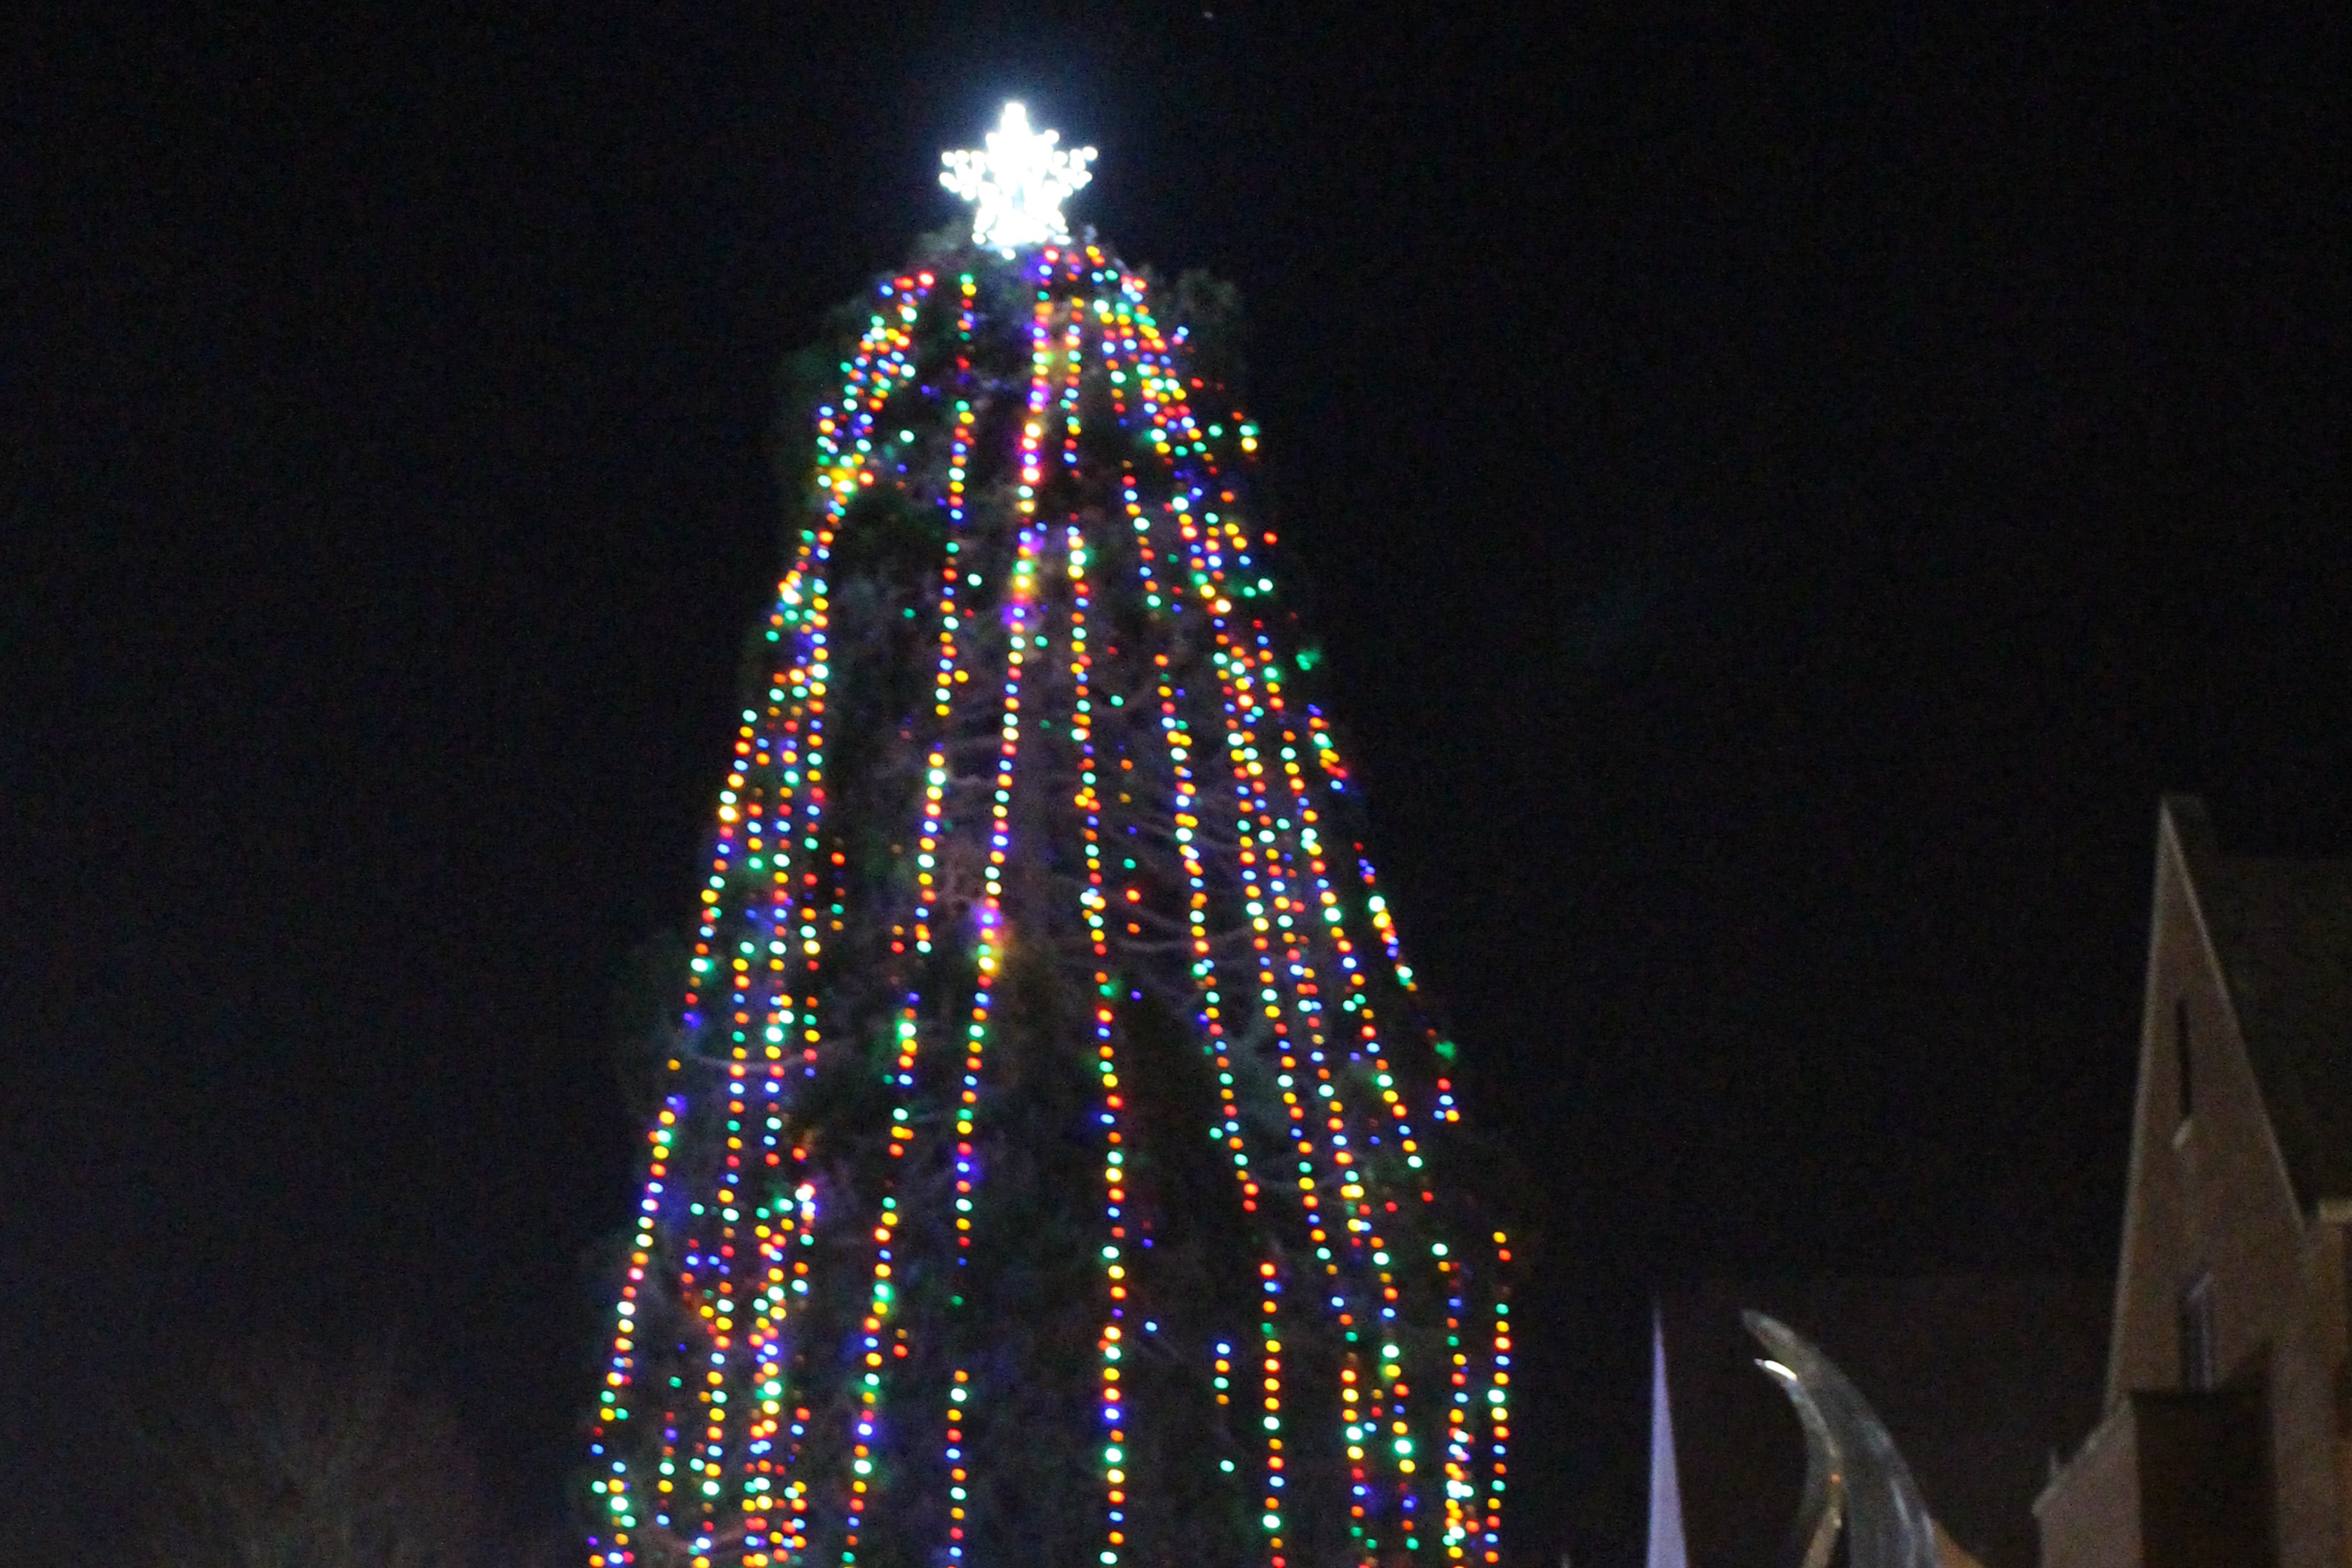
2306	1388
2204	1487
2090	1517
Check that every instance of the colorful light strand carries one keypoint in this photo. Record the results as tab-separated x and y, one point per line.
1219	893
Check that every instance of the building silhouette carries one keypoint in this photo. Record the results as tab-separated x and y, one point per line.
2226	1436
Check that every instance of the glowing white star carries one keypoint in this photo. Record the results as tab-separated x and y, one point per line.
1018	183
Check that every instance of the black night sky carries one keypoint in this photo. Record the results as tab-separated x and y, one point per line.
1782	492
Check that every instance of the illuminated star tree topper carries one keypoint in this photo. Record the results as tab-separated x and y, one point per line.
1018	183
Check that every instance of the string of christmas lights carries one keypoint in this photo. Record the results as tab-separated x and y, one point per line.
1093	779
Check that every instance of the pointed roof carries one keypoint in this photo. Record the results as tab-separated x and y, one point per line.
2281	930
1666	1549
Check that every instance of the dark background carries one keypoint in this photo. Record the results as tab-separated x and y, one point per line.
1783	492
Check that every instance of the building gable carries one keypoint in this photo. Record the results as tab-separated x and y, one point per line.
2228	1432
2212	1225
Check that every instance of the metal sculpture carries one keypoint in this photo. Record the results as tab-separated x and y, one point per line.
1854	1475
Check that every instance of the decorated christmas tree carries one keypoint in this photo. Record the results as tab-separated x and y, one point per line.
1056	1165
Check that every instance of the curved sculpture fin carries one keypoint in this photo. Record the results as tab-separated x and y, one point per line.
1822	1509
1861	1475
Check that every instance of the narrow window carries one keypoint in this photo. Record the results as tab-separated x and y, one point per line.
2197	1362
2180	1054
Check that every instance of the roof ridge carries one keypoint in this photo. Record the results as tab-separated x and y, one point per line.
2281	927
